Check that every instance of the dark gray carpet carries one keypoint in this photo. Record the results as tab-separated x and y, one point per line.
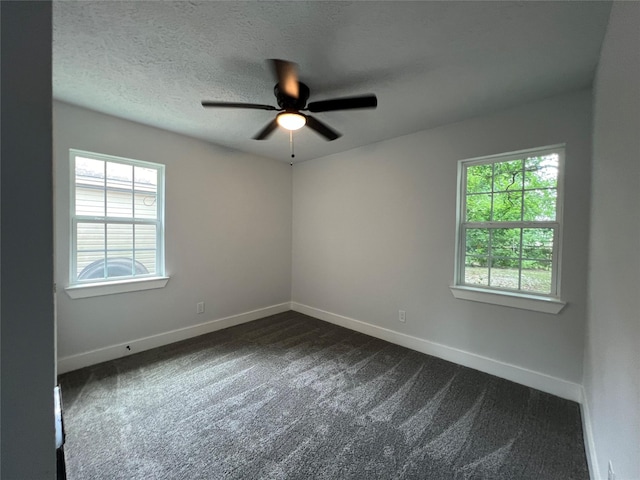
293	397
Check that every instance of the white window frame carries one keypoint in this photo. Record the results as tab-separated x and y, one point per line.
547	303
94	287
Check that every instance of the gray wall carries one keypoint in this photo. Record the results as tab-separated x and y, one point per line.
26	275
228	233
374	232
612	354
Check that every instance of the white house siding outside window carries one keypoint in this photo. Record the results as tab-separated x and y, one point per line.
117	211
510	221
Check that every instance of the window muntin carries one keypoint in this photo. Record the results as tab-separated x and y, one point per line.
510	221
117	210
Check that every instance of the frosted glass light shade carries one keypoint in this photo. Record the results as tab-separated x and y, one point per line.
291	121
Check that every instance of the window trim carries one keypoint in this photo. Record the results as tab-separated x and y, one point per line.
548	303
93	287
506	298
87	290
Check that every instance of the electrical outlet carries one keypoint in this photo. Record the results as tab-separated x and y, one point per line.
200	307
402	316
612	474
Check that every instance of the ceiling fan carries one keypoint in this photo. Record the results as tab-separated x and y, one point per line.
292	96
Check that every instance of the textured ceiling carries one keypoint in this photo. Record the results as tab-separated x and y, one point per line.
430	63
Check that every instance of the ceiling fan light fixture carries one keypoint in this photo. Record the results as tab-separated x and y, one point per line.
292	95
291	120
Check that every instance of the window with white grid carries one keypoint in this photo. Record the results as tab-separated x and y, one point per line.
117	211
509	226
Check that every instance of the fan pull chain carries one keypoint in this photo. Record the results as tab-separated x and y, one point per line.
291	145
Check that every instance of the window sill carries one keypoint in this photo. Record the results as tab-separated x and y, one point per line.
111	288
508	299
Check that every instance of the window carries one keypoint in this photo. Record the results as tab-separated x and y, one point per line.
117	211
509	210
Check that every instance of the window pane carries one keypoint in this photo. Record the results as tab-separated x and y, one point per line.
146	188
537	279
475	273
90	237
146	179
146	246
119	239
90	265
507	207
120	264
478	208
120	250
119	176
89	186
119	190
89	201
477	241
90	250
479	178
540	205
146	205
505	242
537	244
89	171
145	237
146	258
119	204
541	172
507	176
505	273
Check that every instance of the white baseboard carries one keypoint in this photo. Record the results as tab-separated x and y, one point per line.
589	445
73	362
540	381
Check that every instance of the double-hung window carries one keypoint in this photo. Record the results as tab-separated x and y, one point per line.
509	226
117	212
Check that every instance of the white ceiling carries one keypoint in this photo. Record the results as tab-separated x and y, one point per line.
429	63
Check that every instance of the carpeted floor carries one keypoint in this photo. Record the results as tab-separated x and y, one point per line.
292	397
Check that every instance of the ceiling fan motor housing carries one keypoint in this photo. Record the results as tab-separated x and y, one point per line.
290	103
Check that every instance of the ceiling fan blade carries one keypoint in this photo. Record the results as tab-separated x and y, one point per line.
255	106
287	74
347	103
321	128
266	131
